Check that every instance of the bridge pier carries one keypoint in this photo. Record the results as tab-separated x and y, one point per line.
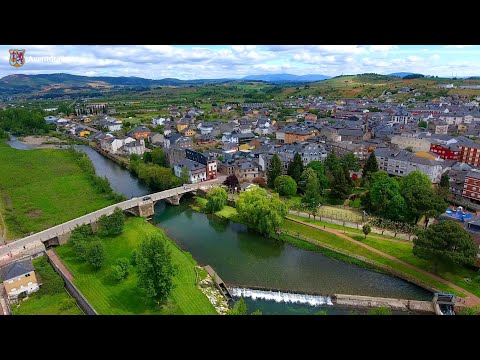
174	200
63	239
146	209
94	226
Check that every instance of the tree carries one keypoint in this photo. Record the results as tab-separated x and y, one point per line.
419	196
95	254
65	109
274	171
147	157
217	199
350	162
385	198
312	197
20	121
232	182
382	310
134	157
121	269
240	308
111	225
261	211
366	230
285	185
295	167
322	178
158	157
184	175
370	167
423	124
331	162
445	241
445	182
260	181
155	269
341	186
302	184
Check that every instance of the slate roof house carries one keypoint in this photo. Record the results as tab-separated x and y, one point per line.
19	277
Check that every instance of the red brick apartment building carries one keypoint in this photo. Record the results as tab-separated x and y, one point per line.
471	187
446	152
470	154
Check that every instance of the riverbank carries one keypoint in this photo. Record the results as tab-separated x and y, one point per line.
112	298
43	188
40	140
351	248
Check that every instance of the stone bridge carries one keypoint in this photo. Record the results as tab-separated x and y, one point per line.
59	234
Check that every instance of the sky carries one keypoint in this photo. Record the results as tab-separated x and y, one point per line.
236	61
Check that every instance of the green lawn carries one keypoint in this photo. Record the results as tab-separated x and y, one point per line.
343	244
43	188
340	227
109	297
45	301
451	272
227	212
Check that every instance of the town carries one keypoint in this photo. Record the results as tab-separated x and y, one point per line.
377	181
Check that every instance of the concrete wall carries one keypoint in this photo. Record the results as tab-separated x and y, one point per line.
72	290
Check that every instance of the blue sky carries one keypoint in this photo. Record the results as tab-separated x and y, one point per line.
236	61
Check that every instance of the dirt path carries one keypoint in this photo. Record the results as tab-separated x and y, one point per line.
54	257
470	299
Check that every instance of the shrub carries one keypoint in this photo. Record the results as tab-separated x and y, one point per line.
383	310
118	273
134	257
68	303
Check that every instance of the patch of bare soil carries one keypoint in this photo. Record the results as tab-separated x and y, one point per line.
35	213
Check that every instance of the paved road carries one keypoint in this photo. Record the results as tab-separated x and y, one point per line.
27	245
469	300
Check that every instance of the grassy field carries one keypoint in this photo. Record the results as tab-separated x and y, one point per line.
451	272
340	227
343	244
43	188
109	297
340	213
45	301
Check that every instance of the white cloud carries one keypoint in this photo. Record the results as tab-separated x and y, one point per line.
160	61
382	48
457	46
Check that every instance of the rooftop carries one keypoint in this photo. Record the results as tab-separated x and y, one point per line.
16	269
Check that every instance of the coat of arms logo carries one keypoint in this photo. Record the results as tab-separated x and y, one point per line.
17	57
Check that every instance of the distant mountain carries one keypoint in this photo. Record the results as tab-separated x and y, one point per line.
286	78
61	83
48	79
401	74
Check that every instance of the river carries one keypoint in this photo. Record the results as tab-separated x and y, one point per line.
245	259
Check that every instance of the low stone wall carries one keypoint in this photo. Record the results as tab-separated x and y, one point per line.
73	291
394	304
